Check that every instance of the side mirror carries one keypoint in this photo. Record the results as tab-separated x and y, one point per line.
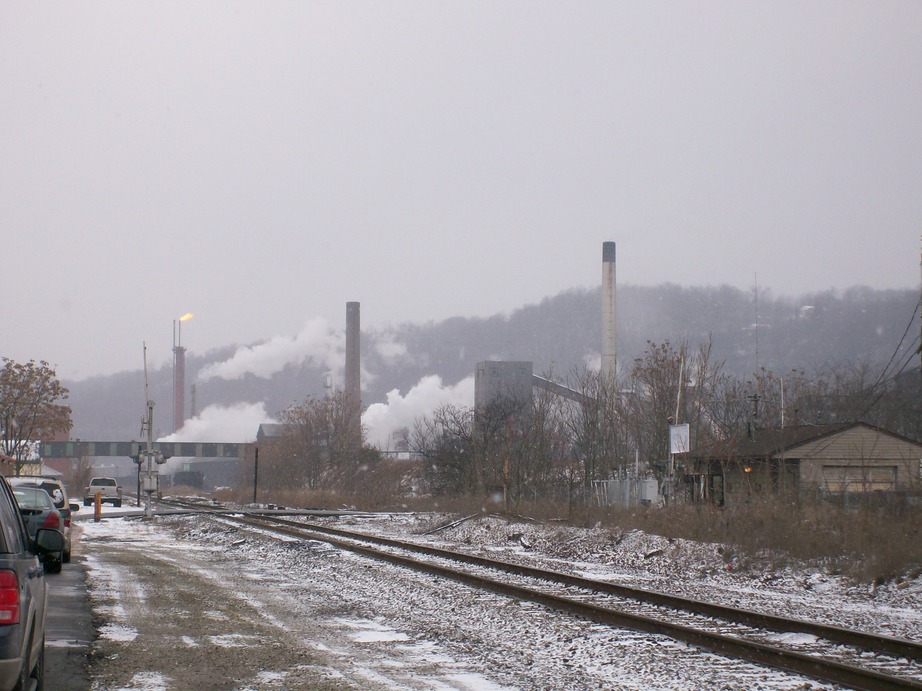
74	506
48	541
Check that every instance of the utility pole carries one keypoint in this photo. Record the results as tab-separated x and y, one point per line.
255	474
149	508
150	480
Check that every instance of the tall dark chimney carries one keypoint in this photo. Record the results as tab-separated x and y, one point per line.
179	377
609	353
353	383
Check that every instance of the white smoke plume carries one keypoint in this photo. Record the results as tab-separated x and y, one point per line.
389	348
593	362
236	424
383	419
316	343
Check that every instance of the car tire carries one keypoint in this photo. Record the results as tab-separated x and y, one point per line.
67	557
24	683
38	671
86	503
54	565
117	503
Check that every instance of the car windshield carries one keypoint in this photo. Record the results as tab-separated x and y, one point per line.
30	498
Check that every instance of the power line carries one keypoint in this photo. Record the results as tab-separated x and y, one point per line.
883	374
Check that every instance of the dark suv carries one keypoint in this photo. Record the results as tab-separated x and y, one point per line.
23	594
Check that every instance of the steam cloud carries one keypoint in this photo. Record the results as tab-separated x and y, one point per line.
236	424
320	345
383	419
316	342
389	348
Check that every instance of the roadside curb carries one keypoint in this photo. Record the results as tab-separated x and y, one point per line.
69	631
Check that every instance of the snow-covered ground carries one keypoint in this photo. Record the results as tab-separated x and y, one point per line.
185	603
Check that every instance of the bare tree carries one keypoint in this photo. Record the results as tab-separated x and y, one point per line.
595	425
80	470
540	448
658	382
319	447
31	407
674	385
509	447
445	441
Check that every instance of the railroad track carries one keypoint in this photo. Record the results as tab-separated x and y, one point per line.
836	655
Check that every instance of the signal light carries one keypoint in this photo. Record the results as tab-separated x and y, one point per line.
53	521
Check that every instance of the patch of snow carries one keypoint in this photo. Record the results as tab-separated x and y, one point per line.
148	681
66	644
118	632
793	638
371	632
232	640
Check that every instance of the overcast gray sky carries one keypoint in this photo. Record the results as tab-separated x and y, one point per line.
259	164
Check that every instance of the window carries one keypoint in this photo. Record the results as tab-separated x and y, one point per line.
13	541
859	478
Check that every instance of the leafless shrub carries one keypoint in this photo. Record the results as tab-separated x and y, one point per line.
869	542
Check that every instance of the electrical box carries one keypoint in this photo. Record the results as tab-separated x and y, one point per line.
150	483
648	490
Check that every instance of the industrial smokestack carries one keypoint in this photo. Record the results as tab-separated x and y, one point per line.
179	374
179	386
179	380
353	387
609	353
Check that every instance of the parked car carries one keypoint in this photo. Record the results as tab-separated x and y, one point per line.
107	487
38	511
23	595
58	493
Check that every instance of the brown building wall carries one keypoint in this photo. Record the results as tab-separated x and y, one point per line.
860	459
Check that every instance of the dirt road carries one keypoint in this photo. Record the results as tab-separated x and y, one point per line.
242	613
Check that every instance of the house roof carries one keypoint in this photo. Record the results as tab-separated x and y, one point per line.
765	443
271	430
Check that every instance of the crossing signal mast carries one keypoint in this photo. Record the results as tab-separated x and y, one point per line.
148	479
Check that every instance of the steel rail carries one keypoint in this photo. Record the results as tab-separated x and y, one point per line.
891	645
822	669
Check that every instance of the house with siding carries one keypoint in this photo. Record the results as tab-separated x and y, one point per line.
833	460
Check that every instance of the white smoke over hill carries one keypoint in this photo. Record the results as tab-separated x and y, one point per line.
239	423
383	419
389	348
236	424
316	343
